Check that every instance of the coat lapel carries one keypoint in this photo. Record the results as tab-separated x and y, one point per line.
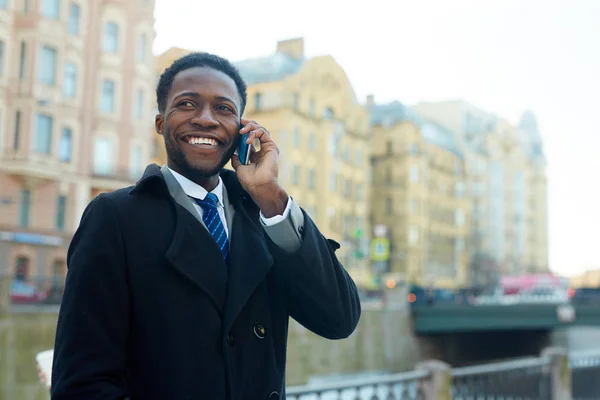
249	256
192	252
194	255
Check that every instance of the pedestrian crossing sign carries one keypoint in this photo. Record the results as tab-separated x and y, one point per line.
380	249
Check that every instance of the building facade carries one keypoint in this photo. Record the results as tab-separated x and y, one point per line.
76	82
322	131
418	195
507	187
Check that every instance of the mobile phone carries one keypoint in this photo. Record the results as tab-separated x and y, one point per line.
244	149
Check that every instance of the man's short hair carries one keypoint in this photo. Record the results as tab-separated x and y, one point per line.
194	60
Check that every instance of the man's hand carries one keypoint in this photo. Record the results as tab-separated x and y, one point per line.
259	178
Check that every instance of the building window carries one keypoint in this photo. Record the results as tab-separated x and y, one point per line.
332	182
47	66
359	157
296	101
389	206
311	178
296	175
70	80
413	235
328	113
460	217
43	134
65	146
311	107
22	269
24	209
390	147
22	60
347	188
257	101
51	8
103	156
60	212
155	150
333	144
312	142
414	174
347	225
17	136
142	47
111	37
74	17
2	56
359	191
414	149
460	190
139	105
414	207
135	162
107	103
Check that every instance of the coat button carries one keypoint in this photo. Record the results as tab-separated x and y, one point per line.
230	340
274	396
259	331
301	230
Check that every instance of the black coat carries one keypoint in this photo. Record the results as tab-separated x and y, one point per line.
150	310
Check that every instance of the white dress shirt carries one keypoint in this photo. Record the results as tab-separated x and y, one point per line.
196	191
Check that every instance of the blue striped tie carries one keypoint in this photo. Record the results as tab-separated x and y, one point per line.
212	220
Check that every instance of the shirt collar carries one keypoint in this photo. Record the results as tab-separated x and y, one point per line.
196	191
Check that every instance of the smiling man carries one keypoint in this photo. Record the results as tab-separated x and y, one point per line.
181	287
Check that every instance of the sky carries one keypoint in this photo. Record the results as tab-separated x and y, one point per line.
504	56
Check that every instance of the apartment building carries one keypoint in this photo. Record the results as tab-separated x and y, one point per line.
419	195
506	171
76	84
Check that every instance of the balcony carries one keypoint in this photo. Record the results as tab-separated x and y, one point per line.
31	166
112	179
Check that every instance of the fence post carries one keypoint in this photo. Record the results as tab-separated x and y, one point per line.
438	385
560	372
4	293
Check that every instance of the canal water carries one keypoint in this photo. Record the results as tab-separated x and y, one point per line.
23	335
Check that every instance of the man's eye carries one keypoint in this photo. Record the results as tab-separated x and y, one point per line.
186	103
224	108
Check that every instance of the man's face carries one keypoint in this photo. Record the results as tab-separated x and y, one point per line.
201	122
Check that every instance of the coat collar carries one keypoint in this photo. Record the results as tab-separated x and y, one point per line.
250	259
152	181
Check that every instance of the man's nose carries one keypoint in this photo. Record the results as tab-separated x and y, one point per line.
205	118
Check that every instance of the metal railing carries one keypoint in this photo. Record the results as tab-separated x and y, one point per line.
525	379
403	386
535	378
585	374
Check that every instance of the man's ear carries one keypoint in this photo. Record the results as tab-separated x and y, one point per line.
158	123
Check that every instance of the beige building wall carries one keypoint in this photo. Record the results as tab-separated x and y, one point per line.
76	86
507	182
419	194
590	279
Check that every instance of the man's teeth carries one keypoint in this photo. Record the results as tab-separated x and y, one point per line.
199	140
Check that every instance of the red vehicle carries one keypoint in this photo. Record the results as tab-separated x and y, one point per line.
533	284
23	292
